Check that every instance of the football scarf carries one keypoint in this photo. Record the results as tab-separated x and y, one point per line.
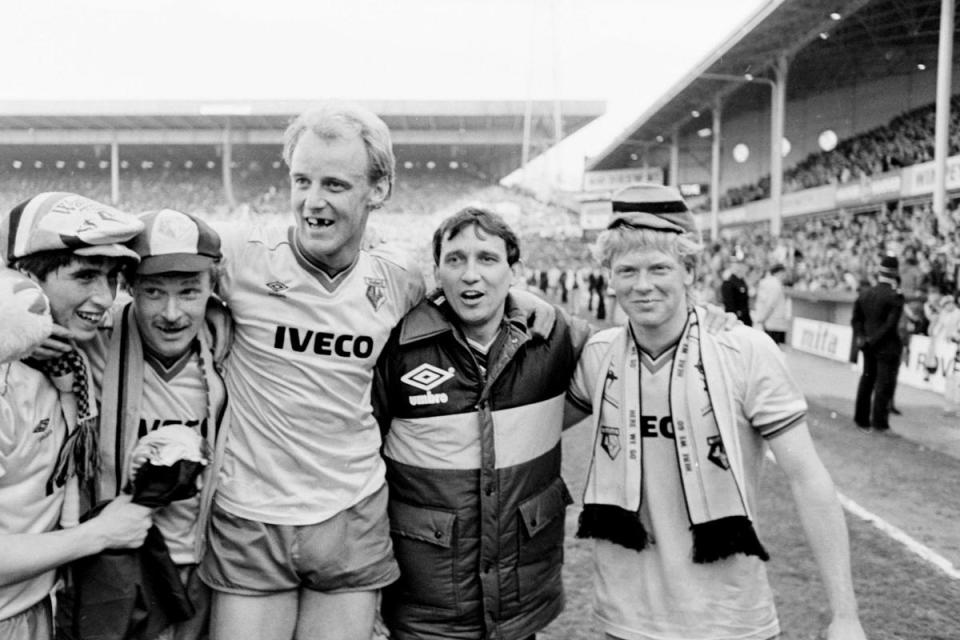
707	448
79	454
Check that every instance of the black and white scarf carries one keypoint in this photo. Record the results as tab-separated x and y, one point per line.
707	447
79	454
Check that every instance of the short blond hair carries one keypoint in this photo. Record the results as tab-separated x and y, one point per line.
686	248
336	120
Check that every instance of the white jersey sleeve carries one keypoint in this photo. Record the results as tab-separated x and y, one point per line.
588	368
771	401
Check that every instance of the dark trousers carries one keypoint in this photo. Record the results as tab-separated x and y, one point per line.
780	337
875	390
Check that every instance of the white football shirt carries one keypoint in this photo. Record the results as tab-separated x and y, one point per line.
32	431
178	396
659	593
303	444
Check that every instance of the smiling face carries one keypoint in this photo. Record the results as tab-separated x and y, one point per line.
332	196
651	287
170	309
473	271
80	293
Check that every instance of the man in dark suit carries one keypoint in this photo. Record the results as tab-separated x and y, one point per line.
876	314
736	294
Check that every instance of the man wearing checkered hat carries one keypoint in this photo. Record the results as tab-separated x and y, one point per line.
73	248
681	419
156	365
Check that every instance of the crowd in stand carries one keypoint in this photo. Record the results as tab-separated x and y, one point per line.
838	253
905	140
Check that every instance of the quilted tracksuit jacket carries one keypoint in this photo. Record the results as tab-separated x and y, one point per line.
473	464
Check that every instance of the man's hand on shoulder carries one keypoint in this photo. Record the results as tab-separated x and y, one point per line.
716	319
540	314
54	346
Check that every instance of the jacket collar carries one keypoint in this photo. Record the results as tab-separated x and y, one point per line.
434	316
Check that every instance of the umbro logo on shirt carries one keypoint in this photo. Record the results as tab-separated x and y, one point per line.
277	288
427	377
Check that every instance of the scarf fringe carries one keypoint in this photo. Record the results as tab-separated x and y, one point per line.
719	539
87	451
609	522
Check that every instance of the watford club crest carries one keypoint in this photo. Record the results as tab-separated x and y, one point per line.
717	454
376	292
610	441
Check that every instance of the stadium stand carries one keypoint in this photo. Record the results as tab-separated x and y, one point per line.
905	140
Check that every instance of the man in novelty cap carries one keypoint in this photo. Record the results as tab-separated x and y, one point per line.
157	364
69	250
681	416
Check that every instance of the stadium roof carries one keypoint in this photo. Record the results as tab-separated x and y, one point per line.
263	122
829	44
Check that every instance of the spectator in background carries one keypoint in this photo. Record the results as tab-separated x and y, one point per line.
944	334
911	279
600	291
876	316
553	282
771	308
736	294
931	306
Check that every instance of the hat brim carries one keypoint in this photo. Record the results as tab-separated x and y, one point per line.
108	250
175	263
644	220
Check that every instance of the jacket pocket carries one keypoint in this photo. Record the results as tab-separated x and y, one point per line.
540	556
424	547
540	512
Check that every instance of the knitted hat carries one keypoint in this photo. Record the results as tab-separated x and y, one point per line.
175	242
889	267
57	220
652	206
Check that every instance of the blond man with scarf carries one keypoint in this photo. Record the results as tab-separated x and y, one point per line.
682	418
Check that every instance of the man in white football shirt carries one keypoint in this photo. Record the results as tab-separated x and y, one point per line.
682	418
300	541
72	249
299	538
155	363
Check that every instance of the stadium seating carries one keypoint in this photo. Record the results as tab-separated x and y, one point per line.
906	140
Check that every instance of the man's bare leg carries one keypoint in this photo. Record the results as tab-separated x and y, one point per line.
336	616
268	617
